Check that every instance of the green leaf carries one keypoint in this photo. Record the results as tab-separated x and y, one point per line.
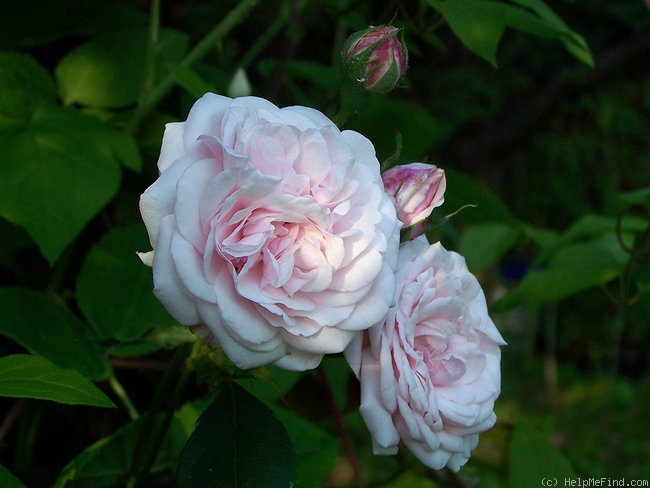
483	245
120	146
30	23
8	480
418	129
24	85
316	450
533	459
56	174
47	329
636	197
269	383
479	24
574	268
237	443
589	227
190	80
463	190
573	42
25	376
110	71
108	462
114	288
409	479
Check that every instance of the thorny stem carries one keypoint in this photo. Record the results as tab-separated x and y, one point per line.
204	46
340	426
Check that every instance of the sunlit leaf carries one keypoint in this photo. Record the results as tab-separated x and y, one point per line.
25	376
44	328
110	71
237	443
114	288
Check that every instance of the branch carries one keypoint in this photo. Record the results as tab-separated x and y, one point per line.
496	138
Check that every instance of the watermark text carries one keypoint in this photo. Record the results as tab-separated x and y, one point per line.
588	482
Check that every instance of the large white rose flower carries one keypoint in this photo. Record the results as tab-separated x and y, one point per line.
271	231
430	372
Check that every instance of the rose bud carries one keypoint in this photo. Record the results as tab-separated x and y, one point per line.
418	188
375	59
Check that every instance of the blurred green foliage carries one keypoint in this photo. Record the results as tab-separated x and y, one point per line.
550	149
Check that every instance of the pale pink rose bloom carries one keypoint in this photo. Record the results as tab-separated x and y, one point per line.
418	188
430	372
271	230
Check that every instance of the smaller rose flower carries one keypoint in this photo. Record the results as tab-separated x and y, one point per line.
418	188
430	372
375	59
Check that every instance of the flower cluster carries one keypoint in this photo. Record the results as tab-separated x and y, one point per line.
276	237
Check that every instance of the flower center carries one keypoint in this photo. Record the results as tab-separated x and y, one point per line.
444	368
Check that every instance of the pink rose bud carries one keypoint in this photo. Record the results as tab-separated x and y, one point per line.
418	188
375	58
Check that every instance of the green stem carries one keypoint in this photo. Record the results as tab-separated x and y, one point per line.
264	38
157	420
154	31
155	96
123	396
624	300
350	98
